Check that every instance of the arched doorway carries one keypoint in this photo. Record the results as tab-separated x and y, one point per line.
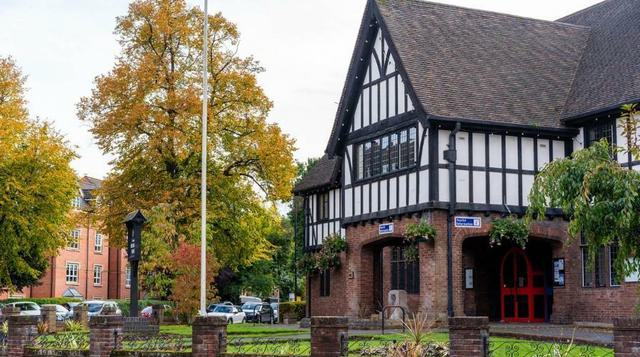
522	288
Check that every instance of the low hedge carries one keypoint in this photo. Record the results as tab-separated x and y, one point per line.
42	301
296	308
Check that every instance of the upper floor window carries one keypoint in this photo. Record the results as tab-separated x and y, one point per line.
76	202
97	274
75	239
603	129
98	243
387	154
72	271
127	277
322	212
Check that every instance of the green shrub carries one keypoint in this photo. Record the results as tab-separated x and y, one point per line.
43	301
297	308
73	326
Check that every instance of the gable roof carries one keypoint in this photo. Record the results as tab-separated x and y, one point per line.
609	74
323	173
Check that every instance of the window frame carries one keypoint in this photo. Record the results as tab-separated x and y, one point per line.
595	125
325	283
97	248
322	207
369	153
405	275
75	241
98	276
67	275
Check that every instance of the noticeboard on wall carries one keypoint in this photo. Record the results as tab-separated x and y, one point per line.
558	272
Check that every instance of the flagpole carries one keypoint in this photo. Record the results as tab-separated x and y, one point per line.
203	186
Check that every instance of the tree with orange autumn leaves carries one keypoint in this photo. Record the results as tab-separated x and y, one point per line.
145	112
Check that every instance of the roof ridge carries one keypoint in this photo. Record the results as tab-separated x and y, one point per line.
491	12
560	20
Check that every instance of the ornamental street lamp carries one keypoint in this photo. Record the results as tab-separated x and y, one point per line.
134	222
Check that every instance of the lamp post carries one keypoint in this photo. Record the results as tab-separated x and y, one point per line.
134	222
203	180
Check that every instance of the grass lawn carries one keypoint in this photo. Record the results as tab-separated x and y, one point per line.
240	330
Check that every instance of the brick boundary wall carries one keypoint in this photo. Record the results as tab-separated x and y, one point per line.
105	334
468	336
22	331
208	336
49	317
626	337
329	336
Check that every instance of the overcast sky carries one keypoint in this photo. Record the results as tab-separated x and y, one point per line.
304	45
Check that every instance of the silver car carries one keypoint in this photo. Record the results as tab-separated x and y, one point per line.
27	308
97	307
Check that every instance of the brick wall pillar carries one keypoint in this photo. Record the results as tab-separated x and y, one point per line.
329	336
22	331
49	317
81	314
209	336
626	337
105	334
157	313
468	336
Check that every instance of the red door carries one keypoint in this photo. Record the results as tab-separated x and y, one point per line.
522	295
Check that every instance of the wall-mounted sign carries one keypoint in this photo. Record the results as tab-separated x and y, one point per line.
385	228
468	222
468	278
558	272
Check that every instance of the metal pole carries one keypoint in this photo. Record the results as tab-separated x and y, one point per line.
295	249
203	186
133	297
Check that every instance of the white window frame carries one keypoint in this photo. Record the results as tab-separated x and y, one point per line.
127	276
98	242
97	278
77	273
75	240
75	203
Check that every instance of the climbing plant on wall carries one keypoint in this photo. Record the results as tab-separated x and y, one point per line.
327	257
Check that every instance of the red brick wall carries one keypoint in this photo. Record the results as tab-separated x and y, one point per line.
352	284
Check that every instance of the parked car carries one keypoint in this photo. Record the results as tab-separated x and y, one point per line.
70	305
232	314
96	307
27	308
276	311
62	313
148	311
259	312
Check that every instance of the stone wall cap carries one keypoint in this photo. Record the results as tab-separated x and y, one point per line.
106	320
209	321
329	321
626	323
469	322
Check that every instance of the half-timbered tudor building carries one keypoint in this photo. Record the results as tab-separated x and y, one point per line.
450	112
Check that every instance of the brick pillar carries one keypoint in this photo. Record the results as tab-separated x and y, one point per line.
49	317
626	337
22	331
468	336
157	313
209	336
329	336
81	314
105	334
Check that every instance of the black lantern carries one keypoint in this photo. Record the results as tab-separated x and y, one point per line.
134	222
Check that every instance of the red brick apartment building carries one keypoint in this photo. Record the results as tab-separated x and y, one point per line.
446	115
89	267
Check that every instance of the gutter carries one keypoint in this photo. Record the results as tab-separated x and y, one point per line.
450	156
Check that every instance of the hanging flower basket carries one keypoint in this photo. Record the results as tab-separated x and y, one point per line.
509	229
327	257
415	233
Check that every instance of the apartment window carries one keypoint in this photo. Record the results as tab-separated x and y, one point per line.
72	271
127	277
75	239
323	207
325	282
405	275
97	274
387	154
76	202
98	243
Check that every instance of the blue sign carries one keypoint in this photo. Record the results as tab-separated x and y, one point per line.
385	228
468	222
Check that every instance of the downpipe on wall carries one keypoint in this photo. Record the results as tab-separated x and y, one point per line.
450	156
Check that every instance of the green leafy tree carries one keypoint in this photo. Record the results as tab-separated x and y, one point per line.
37	186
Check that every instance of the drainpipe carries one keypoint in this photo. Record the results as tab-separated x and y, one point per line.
450	157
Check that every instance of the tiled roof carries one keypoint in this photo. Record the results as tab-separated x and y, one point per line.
323	173
609	74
